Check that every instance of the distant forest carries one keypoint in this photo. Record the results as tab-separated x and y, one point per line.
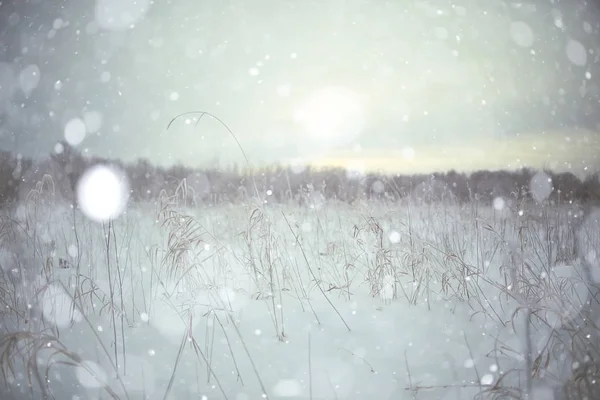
288	184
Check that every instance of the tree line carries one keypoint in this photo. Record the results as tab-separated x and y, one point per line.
277	183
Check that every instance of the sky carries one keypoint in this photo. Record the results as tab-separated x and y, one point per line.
416	86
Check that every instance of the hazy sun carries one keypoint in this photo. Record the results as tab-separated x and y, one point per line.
333	115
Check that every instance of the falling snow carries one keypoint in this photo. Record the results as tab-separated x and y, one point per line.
29	78
522	34
75	131
540	186
576	53
411	271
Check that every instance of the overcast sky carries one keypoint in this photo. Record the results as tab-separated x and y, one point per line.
403	86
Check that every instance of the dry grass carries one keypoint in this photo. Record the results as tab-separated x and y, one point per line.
504	266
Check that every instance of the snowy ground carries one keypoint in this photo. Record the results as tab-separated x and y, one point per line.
396	301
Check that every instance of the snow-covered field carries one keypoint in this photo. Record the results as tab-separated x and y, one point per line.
374	300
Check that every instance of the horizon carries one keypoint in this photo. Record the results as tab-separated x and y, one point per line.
353	167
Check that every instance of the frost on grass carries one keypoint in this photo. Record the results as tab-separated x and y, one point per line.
409	285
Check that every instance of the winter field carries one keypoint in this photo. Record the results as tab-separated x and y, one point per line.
326	301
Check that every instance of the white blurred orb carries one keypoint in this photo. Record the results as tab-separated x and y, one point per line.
102	193
75	131
378	186
59	148
499	203
29	78
394	237
540	186
576	53
92	121
522	34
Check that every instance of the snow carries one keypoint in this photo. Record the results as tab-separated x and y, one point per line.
29	78
378	186
91	375
521	33
57	24
540	186
487	379
174	299
105	76
72	251
287	388
263	323
576	53
499	203
57	307
75	131
394	237
92	121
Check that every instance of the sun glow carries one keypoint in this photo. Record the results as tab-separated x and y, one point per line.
332	116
